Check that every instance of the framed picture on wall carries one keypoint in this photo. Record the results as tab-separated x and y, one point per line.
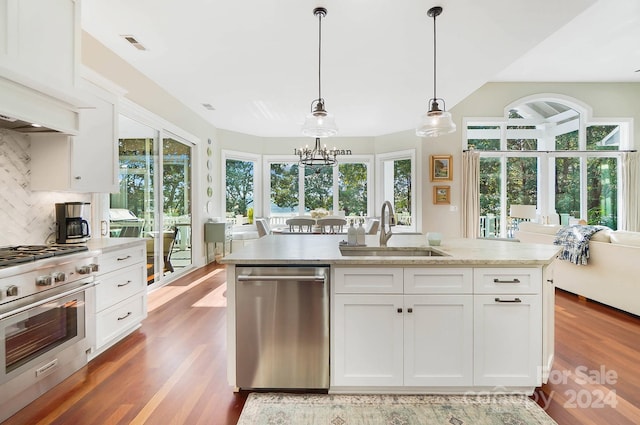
441	167
441	195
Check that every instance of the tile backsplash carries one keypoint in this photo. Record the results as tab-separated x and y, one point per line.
26	217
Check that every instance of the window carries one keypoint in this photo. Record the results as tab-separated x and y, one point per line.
545	153
239	176
396	176
299	190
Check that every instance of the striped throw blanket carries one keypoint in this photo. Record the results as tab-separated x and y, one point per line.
575	242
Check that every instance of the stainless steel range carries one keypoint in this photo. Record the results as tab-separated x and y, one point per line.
44	291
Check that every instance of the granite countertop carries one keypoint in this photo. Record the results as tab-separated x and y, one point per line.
102	245
324	249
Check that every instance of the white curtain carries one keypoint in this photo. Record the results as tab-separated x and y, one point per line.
630	187
471	194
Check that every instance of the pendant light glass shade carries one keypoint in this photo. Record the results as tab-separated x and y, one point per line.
435	121
319	123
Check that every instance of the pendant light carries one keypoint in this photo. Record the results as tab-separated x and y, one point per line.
319	123
435	121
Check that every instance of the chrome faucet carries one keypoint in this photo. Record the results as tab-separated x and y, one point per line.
384	235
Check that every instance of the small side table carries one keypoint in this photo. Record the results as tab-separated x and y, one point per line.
218	233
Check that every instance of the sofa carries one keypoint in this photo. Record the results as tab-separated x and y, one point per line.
612	273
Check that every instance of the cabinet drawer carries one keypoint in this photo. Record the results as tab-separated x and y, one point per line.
368	280
119	285
114	321
115	260
438	281
507	280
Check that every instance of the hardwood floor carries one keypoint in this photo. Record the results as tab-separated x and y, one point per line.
173	370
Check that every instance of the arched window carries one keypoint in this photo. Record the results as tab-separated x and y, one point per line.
551	156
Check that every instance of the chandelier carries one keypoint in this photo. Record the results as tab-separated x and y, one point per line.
318	156
319	123
435	121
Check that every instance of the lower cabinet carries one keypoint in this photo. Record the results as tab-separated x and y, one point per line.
403	340
436	327
120	296
508	340
368	340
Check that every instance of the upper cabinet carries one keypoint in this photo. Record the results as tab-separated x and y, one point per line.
40	43
39	59
87	162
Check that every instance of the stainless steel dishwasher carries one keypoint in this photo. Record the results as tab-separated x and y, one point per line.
282	327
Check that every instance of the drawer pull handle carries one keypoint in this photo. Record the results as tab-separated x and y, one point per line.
496	280
517	300
125	316
399	309
124	258
120	285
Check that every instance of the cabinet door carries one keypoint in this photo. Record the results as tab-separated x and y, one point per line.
438	345
41	40
507	340
368	280
367	340
434	280
97	139
506	280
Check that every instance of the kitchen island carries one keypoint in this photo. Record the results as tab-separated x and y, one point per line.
477	317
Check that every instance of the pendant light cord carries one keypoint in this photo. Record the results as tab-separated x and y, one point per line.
434	57
319	54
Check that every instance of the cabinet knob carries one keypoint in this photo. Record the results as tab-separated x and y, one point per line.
77	178
410	310
399	309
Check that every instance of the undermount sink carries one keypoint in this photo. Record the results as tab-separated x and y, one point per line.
391	251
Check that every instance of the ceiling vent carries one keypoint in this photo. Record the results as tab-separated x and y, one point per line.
134	42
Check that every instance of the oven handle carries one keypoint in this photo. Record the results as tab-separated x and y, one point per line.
18	310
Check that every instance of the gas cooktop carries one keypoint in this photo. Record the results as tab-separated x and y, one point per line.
12	255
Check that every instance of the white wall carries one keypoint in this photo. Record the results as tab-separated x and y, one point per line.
150	96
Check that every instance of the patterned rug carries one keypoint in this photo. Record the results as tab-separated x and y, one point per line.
310	409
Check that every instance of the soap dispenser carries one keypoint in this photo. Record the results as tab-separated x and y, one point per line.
352	235
360	234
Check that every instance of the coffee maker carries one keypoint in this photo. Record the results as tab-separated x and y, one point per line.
71	223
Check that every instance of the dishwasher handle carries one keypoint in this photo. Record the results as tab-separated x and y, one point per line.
271	278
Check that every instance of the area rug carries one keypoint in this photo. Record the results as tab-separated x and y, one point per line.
327	409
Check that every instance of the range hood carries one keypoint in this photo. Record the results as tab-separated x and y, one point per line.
22	106
20	126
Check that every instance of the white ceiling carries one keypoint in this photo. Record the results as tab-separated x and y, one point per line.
255	61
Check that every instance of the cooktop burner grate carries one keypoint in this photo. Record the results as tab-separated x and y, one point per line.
19	254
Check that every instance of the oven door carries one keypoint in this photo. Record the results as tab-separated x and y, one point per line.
34	334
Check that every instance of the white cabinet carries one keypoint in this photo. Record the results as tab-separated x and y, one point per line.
439	328
507	327
120	295
84	163
438	342
402	327
40	42
368	340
